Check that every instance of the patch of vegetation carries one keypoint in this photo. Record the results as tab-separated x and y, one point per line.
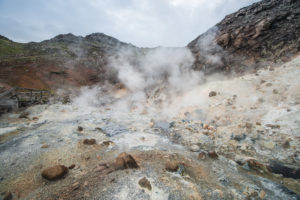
10	48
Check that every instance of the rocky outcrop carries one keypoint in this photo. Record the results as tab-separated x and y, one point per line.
267	31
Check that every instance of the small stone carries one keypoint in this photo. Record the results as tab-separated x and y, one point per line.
212	94
89	141
35	118
125	161
275	91
273	126
107	143
172	166
55	172
213	154
205	126
80	128
145	183
269	145
24	115
7	196
194	148
262	194
202	155
269	84
286	144
75	186
44	146
72	166
258	123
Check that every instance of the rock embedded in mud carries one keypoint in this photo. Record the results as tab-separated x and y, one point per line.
255	165
145	183
89	141
80	128
212	94
286	144
171	166
72	166
125	161
44	146
213	154
55	172
194	148
24	115
202	155
107	143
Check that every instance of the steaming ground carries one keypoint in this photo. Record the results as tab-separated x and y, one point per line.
253	117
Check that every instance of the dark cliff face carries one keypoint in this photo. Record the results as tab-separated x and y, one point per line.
265	31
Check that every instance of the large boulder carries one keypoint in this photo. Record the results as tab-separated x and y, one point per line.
55	172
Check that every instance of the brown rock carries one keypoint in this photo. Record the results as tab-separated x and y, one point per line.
55	172
44	146
254	164
286	144
145	183
172	166
72	166
80	128
212	94
125	161
202	155
89	141
213	154
107	143
35	118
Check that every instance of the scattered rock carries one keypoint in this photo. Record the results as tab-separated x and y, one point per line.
258	123
107	143
269	145
213	154
80	128
212	94
202	155
286	144
35	118
172	166
238	137
125	161
72	166
205	126
262	194
145	183
7	195
89	141
44	146
24	115
273	126
275	91
66	99
75	186
194	148
55	172
269	84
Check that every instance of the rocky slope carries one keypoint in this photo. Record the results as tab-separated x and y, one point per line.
267	31
63	60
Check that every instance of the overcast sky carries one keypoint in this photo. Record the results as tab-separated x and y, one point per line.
145	23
